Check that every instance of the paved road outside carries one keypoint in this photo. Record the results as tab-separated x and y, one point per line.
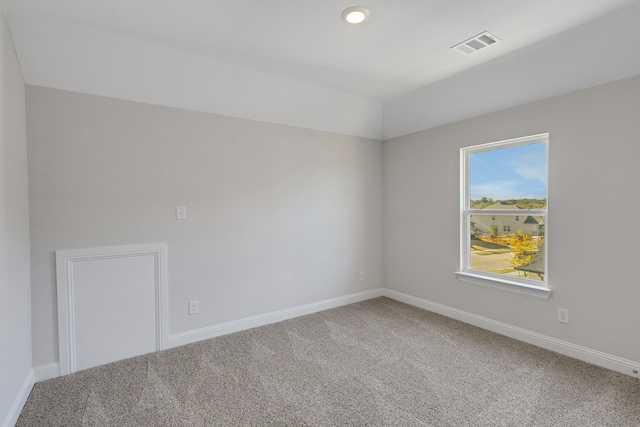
490	260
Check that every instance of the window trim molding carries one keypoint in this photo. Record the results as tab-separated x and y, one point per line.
505	285
515	285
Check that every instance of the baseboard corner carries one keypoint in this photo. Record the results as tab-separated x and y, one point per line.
46	372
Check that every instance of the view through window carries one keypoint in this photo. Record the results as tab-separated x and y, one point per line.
504	210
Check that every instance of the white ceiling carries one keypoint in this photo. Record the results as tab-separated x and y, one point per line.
403	47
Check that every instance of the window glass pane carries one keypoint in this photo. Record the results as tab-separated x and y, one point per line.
509	176
501	245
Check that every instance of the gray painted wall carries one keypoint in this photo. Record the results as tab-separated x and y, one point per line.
277	216
592	224
15	304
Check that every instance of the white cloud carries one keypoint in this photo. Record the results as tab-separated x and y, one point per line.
531	167
532	173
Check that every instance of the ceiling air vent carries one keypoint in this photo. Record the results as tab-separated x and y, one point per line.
476	43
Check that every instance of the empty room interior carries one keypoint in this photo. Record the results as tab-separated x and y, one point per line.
291	201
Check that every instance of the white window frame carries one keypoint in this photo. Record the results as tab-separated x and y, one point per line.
532	288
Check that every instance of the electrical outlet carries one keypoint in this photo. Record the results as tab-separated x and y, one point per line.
563	315
361	276
193	307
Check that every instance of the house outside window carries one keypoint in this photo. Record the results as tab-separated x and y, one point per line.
504	214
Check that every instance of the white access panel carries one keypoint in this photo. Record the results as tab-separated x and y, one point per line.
111	304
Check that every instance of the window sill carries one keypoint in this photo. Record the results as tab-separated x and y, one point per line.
505	285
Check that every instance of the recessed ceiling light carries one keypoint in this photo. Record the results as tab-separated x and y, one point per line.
355	15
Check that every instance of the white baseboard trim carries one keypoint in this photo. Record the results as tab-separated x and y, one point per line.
585	354
18	403
46	372
605	360
195	335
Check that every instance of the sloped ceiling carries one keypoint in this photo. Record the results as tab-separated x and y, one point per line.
297	63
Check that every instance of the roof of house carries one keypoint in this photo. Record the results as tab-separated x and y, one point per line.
536	265
530	220
502	205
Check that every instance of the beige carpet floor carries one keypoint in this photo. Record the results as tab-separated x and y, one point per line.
374	363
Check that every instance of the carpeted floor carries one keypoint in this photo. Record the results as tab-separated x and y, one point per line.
375	363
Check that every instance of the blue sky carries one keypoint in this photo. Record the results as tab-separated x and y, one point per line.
510	173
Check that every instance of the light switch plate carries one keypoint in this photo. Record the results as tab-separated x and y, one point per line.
181	212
